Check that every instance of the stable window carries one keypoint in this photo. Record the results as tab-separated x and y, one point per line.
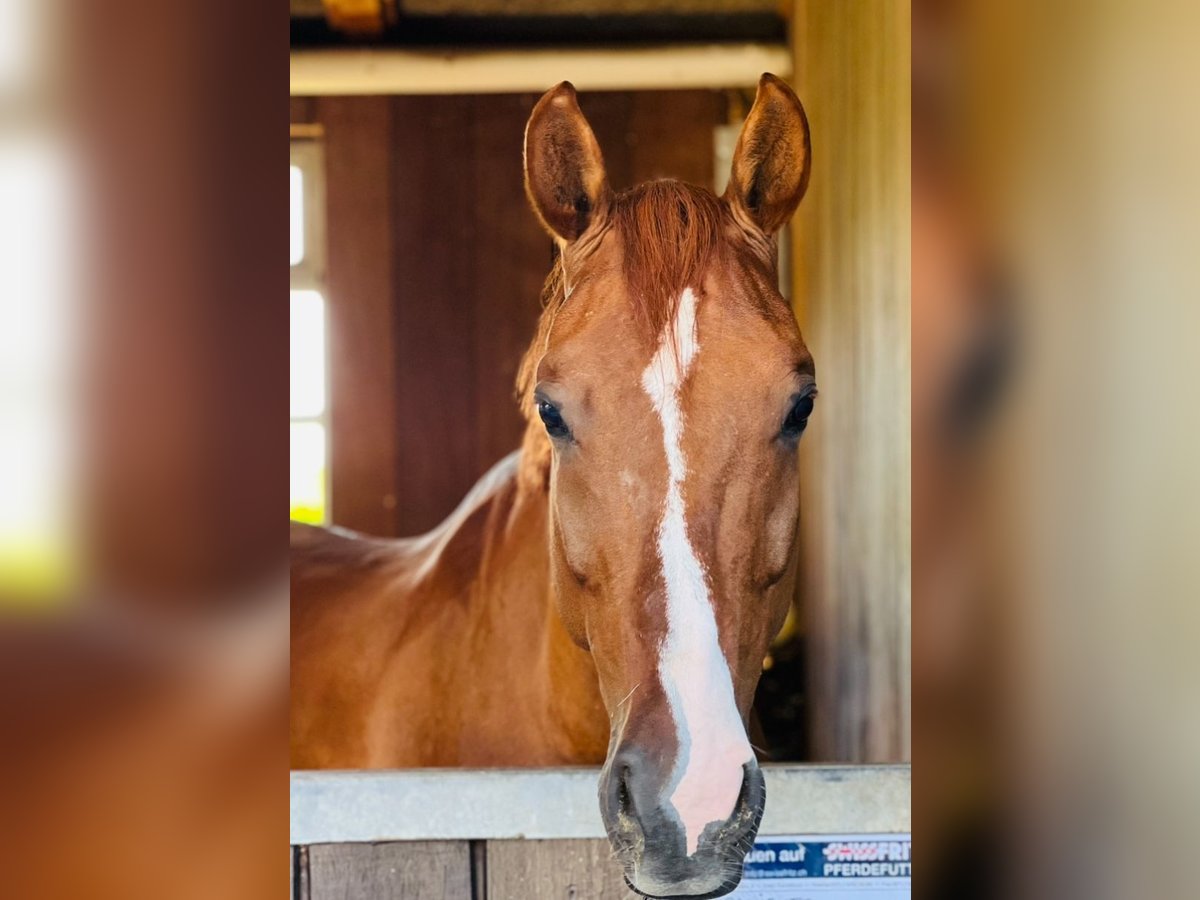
309	413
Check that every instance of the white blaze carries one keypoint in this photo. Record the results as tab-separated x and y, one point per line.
712	740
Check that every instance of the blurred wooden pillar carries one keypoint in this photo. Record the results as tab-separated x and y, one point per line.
851	247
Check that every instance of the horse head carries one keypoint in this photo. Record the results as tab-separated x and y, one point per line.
666	390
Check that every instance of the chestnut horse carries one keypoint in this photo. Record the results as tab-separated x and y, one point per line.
607	593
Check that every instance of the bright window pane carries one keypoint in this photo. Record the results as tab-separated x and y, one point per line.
308	354
38	315
308	472
297	214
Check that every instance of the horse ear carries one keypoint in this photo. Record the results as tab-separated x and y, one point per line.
564	171
772	159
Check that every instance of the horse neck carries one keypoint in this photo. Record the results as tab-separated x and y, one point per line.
518	628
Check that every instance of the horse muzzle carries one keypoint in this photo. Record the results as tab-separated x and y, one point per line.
649	838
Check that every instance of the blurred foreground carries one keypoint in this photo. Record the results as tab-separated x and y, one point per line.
143	648
1056	283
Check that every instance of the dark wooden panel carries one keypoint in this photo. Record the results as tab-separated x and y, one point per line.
434	248
608	113
671	134
511	257
303	110
419	870
655	134
553	870
358	142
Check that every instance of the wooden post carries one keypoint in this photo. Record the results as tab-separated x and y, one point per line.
851	252
416	870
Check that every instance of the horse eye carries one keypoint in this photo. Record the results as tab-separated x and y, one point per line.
797	417
553	420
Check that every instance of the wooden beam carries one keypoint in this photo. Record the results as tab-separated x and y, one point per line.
587	7
427	804
715	66
852	292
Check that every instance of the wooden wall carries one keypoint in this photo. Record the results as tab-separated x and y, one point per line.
458	870
435	268
852	270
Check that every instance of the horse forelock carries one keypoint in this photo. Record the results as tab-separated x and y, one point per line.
670	233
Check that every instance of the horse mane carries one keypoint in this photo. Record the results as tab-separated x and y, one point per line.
669	233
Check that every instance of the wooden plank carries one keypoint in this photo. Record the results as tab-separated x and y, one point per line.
671	134
358	141
420	870
852	278
510	258
435	232
396	71
554	870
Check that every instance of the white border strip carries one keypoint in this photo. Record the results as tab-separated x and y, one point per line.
375	71
472	804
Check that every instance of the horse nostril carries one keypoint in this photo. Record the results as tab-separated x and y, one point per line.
624	801
750	801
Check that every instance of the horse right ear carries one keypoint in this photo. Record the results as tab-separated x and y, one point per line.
564	171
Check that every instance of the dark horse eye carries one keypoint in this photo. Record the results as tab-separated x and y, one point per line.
553	420
797	417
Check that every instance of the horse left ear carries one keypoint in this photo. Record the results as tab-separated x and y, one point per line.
564	170
772	160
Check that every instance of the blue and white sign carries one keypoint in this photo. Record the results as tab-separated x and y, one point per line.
829	867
